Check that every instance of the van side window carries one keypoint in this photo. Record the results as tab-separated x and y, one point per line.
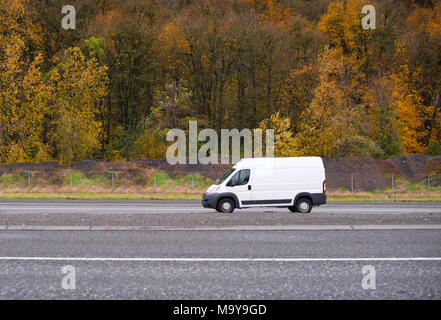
240	178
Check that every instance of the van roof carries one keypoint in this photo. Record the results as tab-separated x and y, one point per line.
283	162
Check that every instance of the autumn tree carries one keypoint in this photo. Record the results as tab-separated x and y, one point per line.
332	117
284	143
133	69
80	87
343	24
418	80
380	119
24	94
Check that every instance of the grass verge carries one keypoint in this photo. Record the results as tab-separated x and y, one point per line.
98	196
332	196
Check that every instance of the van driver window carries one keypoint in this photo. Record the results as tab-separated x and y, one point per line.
240	178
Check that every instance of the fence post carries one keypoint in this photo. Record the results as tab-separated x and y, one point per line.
26	174
352	182
113	181
393	186
192	181
154	180
428	182
71	183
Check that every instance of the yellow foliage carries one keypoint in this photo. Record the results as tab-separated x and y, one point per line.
342	23
172	42
276	13
81	86
24	97
330	118
411	113
283	138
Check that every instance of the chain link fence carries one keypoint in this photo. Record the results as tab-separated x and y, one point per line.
153	175
111	181
391	184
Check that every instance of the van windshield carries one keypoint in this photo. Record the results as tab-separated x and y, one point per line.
226	175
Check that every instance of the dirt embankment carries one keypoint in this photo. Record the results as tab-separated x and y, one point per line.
361	174
366	174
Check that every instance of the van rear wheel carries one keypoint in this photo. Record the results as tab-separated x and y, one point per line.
303	205
225	206
292	209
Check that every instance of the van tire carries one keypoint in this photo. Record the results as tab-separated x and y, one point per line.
225	205
292	209
303	205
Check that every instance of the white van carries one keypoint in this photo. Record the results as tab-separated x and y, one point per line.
295	183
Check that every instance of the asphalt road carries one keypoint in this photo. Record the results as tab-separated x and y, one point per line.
221	265
189	214
178	250
23	206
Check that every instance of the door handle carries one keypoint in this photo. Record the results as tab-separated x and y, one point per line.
249	187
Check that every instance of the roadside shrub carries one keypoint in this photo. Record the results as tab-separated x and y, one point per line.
434	148
360	146
10	180
79	179
411	187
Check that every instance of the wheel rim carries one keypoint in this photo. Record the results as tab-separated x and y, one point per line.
303	206
226	206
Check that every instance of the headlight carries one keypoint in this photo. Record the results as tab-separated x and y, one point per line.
213	188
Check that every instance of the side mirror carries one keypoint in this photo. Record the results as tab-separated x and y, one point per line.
230	183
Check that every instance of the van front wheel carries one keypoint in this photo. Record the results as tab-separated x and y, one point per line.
225	206
292	209
303	205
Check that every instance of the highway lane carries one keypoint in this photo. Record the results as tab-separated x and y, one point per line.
190	214
27	206
275	255
221	265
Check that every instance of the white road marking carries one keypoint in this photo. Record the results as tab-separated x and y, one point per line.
216	259
99	209
109	204
222	228
152	209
